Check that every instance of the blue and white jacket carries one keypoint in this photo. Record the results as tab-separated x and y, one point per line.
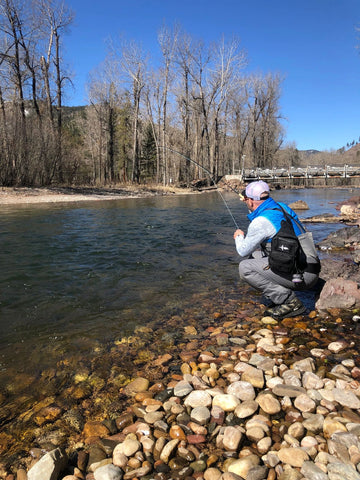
264	224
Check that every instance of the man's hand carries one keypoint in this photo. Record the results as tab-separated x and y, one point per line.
238	232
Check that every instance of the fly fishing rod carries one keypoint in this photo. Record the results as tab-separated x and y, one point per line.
212	180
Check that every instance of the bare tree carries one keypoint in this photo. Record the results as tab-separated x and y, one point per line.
133	62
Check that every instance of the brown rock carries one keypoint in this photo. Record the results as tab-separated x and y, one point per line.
95	429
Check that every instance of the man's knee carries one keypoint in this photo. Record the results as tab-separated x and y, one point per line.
245	269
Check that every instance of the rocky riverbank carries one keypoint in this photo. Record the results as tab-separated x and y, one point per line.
254	399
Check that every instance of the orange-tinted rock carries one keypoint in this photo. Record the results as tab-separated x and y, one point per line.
95	429
177	432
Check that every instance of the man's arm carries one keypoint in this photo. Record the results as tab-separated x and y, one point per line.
259	230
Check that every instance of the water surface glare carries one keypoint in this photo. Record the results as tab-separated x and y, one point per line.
96	270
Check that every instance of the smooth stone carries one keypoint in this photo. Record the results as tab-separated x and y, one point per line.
119	459
254	376
312	381
49	466
292	377
140	384
310	470
177	432
177	463
226	402
331	426
269	321
168	450
108	472
153	417
259	472
254	434
268	403
217	415
198	465
246	409
231	438
212	474
242	466
137	473
338	346
198	398
294	457
242	390
182	389
346	398
200	415
304	365
314	423
296	430
291	391
341	471
128	447
264	445
304	403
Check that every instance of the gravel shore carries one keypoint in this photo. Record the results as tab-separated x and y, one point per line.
24	195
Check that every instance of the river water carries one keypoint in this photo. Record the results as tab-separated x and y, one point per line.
78	275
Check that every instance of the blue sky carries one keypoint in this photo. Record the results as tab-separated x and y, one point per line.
311	43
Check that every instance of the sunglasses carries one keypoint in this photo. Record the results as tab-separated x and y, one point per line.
243	196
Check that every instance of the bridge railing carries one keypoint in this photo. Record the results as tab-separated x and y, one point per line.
310	171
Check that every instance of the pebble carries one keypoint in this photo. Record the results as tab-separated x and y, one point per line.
242	390
226	402
268	403
242	466
295	457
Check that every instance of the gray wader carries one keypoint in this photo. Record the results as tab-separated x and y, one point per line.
255	271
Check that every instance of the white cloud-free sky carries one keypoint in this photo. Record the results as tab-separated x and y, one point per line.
311	43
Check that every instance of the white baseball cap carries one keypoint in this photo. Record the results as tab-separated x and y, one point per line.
257	190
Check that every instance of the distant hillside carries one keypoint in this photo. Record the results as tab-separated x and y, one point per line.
309	152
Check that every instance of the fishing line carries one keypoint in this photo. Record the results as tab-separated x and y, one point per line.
212	180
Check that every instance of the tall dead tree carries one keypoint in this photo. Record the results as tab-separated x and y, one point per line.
133	63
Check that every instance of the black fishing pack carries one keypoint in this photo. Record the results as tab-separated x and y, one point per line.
286	256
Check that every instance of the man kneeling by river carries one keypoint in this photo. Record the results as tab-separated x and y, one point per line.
265	218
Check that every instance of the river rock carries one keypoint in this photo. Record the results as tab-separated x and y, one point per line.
140	384
108	472
295	457
49	466
198	398
341	471
338	346
339	293
242	390
242	466
182	389
304	403
200	415
231	438
288	390
346	398
128	447
299	205
246	409
226	402
268	403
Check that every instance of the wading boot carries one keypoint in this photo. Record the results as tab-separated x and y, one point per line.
291	308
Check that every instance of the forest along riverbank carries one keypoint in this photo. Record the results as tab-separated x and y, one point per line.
229	393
